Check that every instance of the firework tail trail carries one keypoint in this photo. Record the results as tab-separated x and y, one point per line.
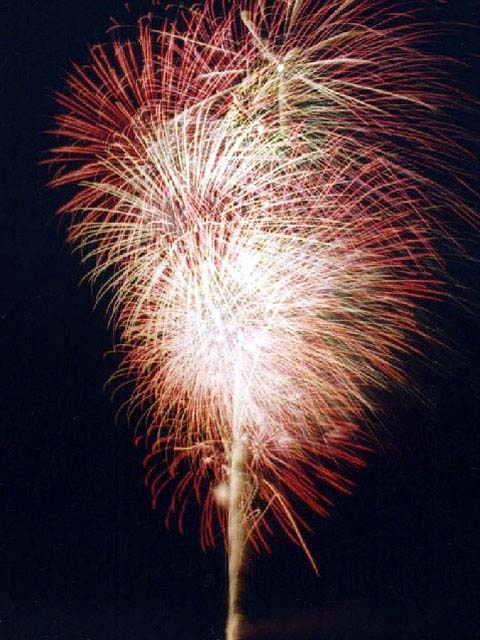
252	201
236	530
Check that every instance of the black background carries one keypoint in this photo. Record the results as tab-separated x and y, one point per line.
83	556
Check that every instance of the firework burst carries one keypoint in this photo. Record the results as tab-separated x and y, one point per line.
253	203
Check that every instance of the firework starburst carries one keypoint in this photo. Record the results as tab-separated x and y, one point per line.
253	202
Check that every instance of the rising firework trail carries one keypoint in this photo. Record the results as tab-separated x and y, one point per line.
252	201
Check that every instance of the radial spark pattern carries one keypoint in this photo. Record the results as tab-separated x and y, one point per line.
253	202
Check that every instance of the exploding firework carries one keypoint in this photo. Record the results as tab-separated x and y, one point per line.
253	202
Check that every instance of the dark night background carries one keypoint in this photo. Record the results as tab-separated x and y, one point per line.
83	557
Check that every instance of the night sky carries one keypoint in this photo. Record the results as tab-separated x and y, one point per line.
83	556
